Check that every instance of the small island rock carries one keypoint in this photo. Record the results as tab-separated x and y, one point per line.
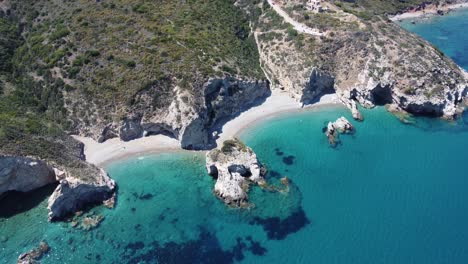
340	126
234	166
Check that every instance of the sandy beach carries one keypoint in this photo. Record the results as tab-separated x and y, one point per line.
102	154
429	11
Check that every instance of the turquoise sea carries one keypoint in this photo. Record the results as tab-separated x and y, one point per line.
447	32
390	193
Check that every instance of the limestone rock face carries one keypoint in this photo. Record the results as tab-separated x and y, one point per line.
224	98
24	174
191	118
340	126
73	194
234	166
80	184
131	129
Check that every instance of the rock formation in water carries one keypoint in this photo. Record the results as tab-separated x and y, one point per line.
33	256
80	184
234	167
74	194
334	129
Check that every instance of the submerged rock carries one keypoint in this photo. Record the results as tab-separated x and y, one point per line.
340	126
34	255
91	222
235	166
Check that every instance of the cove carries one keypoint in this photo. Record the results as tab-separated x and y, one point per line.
390	193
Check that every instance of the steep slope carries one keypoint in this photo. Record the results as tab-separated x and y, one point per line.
141	65
362	56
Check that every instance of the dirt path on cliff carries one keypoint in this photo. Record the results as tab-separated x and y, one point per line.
297	26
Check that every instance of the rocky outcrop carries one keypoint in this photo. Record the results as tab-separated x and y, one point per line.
224	98
131	129
74	194
334	129
234	166
62	160
34	255
318	84
24	174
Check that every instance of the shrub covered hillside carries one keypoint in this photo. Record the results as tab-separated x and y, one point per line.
96	68
78	62
93	57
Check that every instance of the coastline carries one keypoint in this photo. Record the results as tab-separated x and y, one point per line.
275	105
102	154
431	10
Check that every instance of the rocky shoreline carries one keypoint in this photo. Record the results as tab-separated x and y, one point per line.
72	194
223	98
429	9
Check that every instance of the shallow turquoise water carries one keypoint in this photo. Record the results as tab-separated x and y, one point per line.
446	32
390	193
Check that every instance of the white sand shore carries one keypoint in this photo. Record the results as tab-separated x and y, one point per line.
430	11
278	102
114	149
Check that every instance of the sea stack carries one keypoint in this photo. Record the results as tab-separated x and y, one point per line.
235	167
340	126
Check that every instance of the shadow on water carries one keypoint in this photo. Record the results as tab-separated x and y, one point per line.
205	249
278	229
13	203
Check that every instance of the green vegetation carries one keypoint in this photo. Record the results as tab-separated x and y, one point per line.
409	91
111	50
9	35
78	62
232	144
366	8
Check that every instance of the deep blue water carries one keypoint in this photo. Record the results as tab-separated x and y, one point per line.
390	193
449	33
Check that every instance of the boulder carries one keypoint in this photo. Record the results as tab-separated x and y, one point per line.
131	129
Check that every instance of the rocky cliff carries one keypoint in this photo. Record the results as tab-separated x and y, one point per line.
74	194
80	183
363	57
185	119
